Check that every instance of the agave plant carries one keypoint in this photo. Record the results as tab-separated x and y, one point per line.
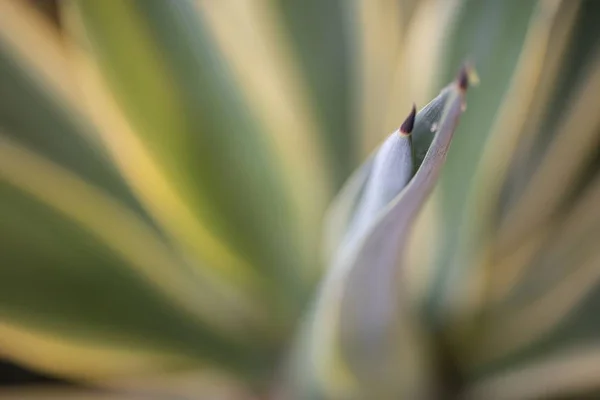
169	224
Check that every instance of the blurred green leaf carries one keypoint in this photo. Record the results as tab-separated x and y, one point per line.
323	34
490	34
96	271
35	114
180	96
529	266
550	298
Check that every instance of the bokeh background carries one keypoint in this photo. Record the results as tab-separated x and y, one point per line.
166	168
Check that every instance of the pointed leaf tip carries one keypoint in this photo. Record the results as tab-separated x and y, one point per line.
463	78
467	76
409	123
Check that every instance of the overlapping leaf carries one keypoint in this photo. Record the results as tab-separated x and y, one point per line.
362	339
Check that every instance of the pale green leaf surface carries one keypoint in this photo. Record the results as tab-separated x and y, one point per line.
361	322
342	212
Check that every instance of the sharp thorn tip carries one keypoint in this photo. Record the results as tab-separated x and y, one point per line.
463	78
409	123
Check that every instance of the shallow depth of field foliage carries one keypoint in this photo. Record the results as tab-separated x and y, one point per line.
231	199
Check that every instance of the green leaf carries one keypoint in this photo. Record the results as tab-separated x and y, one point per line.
76	263
253	44
490	34
199	384
570	149
323	37
362	337
35	113
426	126
343	209
165	71
538	261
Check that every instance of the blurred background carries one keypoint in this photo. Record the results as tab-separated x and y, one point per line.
166	169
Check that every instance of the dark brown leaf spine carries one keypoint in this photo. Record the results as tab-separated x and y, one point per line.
463	77
407	126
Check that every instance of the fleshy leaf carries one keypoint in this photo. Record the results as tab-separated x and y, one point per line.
341	213
361	336
427	125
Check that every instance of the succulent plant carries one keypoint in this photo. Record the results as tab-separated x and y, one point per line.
168	212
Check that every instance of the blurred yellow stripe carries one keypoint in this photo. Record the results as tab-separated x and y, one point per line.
543	96
253	42
512	117
125	234
381	37
195	384
573	146
53	393
418	63
562	375
494	164
329	367
506	271
581	221
507	332
512	259
558	241
80	359
212	258
420	252
38	45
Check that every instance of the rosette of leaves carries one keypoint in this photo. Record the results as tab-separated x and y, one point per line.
165	173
